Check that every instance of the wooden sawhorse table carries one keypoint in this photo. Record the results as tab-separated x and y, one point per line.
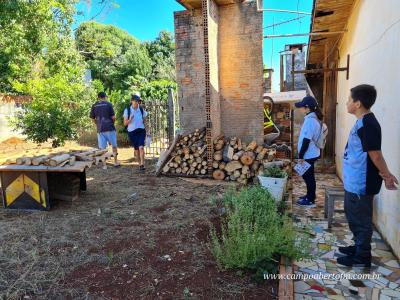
32	187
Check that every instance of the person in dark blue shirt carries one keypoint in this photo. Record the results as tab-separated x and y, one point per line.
103	115
364	169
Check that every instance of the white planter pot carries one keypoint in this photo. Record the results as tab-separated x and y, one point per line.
275	186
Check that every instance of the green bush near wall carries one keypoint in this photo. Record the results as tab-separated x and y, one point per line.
254	234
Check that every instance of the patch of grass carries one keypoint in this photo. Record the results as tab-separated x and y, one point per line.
254	234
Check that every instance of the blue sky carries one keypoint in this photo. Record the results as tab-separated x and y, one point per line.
145	19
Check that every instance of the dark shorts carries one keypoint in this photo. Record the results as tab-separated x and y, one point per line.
137	138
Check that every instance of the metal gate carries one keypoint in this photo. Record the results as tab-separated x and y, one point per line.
162	123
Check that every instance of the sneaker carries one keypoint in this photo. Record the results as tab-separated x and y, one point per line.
305	203
350	250
353	261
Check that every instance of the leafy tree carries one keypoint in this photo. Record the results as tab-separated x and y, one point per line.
39	58
29	31
58	108
162	54
114	57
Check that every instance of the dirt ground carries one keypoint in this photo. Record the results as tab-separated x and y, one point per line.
131	235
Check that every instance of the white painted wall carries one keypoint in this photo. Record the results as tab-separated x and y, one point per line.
373	42
7	109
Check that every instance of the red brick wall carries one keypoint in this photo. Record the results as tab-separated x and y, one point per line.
241	70
190	69
236	69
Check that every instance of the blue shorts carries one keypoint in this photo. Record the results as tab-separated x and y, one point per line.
109	137
137	138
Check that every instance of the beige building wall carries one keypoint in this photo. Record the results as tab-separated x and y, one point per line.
373	42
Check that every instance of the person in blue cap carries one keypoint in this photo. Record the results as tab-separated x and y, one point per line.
135	120
307	148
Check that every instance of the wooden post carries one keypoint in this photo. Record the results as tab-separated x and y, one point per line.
325	98
171	116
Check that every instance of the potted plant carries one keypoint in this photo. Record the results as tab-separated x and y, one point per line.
274	179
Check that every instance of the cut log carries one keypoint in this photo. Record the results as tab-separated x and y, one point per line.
232	178
237	155
259	149
215	164
203	149
39	160
218	156
262	154
233	141
20	160
165	157
199	160
186	151
255	166
199	166
218	175
165	169
237	174
204	163
59	159
239	143
245	170
28	161
218	138
222	166
228	153
177	159
203	171
72	160
178	171
233	165
197	172
185	170
252	146
219	145
247	158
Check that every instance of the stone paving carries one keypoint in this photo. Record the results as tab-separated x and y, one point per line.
385	267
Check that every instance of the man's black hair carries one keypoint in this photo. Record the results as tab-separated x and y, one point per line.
364	93
102	95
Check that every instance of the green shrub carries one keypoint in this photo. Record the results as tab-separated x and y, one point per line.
275	172
254	235
58	111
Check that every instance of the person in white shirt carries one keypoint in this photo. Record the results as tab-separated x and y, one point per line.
307	148
135	120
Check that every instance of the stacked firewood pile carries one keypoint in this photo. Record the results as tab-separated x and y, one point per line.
60	159
188	156
233	160
236	161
